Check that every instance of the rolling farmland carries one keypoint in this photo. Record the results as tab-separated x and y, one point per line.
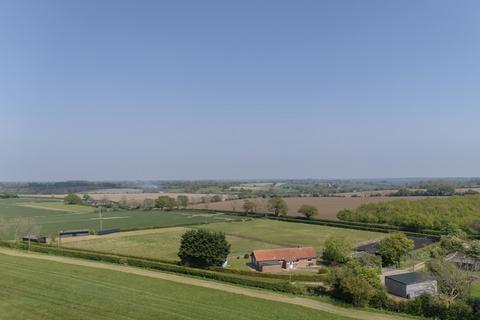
34	289
53	216
327	206
243	236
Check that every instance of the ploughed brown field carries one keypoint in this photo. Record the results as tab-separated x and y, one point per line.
328	206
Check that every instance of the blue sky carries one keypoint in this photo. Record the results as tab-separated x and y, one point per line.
239	89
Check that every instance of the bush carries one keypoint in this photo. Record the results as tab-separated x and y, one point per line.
354	283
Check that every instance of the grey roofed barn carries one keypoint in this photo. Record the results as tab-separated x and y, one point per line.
408	278
410	285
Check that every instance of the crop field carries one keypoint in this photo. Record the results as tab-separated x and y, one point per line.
52	216
327	206
34	289
244	236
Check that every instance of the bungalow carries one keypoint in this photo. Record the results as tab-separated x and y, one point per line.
275	260
410	285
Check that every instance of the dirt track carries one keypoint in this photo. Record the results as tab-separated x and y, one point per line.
308	303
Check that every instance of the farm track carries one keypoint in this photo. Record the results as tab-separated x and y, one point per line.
305	302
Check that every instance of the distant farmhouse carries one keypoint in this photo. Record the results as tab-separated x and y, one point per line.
410	285
276	260
417	244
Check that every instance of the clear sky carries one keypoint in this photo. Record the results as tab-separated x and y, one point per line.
239	89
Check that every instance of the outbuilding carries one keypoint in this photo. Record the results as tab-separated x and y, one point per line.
73	233
34	238
410	285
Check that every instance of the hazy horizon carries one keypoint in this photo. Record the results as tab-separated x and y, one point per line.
108	90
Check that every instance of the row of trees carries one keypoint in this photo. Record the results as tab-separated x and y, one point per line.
162	202
169	203
279	207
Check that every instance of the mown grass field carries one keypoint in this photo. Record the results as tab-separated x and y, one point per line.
53	216
476	289
33	289
244	236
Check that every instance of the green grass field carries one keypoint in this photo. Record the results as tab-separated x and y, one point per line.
53	216
476	290
33	289
244	236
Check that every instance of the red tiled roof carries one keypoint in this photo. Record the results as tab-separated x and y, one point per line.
287	254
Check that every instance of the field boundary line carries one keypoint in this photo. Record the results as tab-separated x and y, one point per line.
254	293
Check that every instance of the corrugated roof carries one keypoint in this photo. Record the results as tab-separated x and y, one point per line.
288	254
409	278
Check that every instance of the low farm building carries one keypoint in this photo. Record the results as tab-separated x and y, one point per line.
410	285
276	260
34	238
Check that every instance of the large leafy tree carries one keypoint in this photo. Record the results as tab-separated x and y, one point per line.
72	198
248	206
182	201
394	248
308	211
202	248
453	283
337	250
278	206
165	202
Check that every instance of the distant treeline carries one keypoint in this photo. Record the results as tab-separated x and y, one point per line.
56	187
432	190
424	214
283	188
